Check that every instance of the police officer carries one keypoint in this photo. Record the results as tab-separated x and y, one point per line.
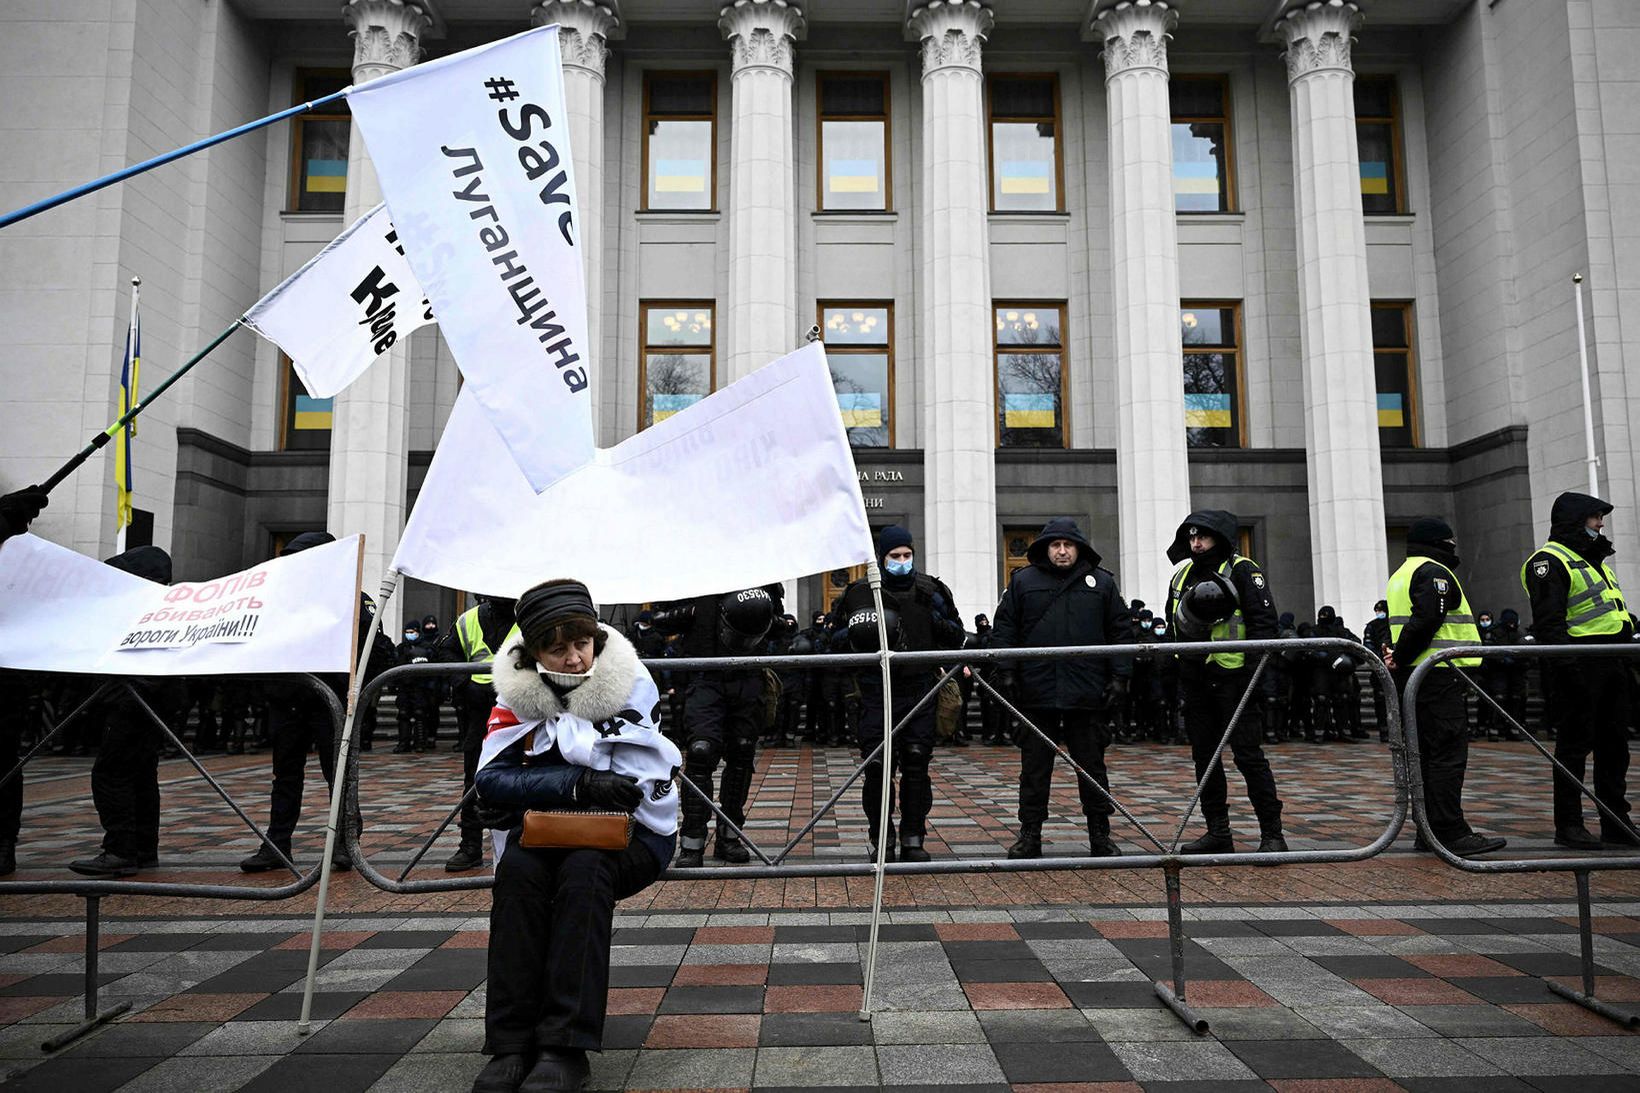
1064	597
1428	611
723	712
416	703
1216	594
1375	636
924	616
125	776
990	710
478	632
1576	601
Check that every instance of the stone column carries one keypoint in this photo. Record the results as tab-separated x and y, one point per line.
955	326
1340	392
369	439
1153	474
583	30
762	306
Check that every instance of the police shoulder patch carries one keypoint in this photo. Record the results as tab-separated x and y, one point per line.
1541	569
1258	580
1093	582
1440	584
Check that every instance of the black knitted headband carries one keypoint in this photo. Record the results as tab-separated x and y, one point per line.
550	604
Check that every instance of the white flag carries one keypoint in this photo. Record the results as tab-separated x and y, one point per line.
348	305
473	155
753	484
63	612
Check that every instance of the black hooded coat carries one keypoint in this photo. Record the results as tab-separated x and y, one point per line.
1547	581
1047	606
1258	609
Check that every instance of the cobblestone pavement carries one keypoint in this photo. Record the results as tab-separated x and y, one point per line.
1397	973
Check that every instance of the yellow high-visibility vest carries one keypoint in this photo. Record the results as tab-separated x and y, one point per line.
473	646
1458	628
1230	629
1594	603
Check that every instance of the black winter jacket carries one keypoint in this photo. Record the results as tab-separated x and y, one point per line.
1046	606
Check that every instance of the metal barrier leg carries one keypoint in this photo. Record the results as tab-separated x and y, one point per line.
93	1018
1174	996
1585	997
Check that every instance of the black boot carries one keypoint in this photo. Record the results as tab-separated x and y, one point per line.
730	849
503	1073
690	857
8	858
911	849
1100	844
1029	843
558	1070
263	860
469	855
871	847
1217	840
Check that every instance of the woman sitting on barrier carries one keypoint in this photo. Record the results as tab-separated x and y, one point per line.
573	755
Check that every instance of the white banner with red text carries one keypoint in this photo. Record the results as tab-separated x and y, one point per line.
63	612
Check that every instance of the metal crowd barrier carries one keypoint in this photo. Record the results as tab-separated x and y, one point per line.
1165	856
92	890
1579	867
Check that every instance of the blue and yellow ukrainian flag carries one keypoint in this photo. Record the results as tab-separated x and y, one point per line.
127	399
1207	411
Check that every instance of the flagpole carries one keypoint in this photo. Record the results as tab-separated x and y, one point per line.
161	160
102	438
128	391
338	787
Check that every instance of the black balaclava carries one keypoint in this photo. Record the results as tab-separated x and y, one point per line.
1431	537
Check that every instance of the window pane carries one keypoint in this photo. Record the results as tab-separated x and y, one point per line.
856	326
316	85
307	419
1208	326
1210	400
683	325
1394	400
854	178
1022	166
1374	98
680	94
1200	181
1389	328
861	381
1376	142
1021	98
673	382
1196	98
1026	325
321	183
680	164
851	95
1028	400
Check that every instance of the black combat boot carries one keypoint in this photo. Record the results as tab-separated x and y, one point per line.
503	1073
911	849
1029	843
558	1070
690	857
1100	844
730	849
1217	840
469	855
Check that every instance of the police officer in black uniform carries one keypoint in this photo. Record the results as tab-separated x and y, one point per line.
1064	597
475	636
723	712
924	616
1235	600
1576	601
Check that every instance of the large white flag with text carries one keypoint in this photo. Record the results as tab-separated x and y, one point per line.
63	612
753	484
345	307
473	155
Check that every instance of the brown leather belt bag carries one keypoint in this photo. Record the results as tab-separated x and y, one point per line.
573	829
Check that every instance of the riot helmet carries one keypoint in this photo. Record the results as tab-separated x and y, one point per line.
1209	601
744	619
862	629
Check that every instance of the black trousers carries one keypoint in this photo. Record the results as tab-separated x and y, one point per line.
913	748
472	715
125	783
1083	734
297	723
1443	752
725	718
13	715
1593	697
1210	698
550	925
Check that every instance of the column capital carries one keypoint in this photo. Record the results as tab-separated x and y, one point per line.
1135	33
952	32
386	35
584	27
1318	37
761	32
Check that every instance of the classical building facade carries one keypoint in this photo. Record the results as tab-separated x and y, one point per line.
1306	260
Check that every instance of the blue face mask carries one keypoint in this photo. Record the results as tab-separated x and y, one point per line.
898	568
1593	533
411	635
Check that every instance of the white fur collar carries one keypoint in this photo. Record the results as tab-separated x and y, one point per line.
603	695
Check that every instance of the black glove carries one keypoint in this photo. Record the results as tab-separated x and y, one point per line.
606	789
496	817
18	510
